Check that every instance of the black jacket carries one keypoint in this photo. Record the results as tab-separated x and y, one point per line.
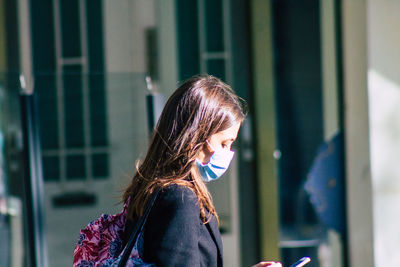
174	234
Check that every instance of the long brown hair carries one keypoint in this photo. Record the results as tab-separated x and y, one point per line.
199	108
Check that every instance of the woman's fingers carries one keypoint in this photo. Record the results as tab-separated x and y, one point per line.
268	263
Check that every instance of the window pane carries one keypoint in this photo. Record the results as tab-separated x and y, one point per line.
44	65
214	25
97	96
42	36
51	168
98	111
70	28
47	106
73	106
100	165
94	22
188	38
76	167
216	67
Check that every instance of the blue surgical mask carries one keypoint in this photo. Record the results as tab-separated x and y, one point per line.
218	164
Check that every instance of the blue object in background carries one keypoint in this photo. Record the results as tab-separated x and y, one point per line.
325	184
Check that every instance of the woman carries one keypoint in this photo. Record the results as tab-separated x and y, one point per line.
191	145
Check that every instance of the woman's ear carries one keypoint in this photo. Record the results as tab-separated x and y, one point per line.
204	154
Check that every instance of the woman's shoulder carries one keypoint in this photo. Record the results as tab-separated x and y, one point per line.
178	196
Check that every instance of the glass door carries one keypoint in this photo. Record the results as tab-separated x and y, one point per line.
16	249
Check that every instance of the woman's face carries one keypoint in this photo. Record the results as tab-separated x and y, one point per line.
220	140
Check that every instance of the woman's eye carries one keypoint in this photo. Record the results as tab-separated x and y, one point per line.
226	146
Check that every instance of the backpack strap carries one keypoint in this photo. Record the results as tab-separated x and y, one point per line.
136	229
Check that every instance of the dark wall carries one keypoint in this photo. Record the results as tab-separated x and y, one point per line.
298	97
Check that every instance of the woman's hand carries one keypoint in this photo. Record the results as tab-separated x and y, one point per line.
268	263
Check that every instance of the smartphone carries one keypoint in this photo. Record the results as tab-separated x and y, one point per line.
303	261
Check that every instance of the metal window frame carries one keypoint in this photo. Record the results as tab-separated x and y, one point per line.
87	150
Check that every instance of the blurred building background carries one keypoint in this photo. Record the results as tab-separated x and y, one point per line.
74	119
